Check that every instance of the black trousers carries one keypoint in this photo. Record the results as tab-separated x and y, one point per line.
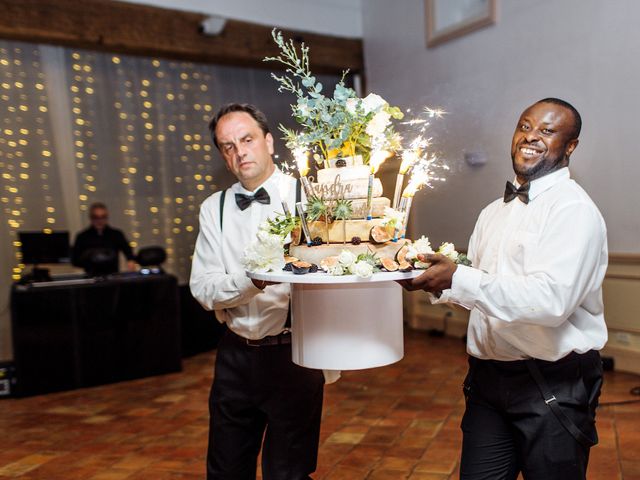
260	397
508	428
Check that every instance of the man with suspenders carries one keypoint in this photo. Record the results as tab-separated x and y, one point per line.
259	396
537	324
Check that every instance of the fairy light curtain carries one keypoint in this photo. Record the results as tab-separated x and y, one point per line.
81	126
138	139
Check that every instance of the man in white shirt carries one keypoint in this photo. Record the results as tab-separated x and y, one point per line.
258	392
535	293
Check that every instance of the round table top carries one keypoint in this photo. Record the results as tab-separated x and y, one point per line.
324	278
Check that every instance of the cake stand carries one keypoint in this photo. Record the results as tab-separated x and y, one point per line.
344	322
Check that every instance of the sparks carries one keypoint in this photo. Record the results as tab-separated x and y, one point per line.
434	112
377	158
415	121
409	157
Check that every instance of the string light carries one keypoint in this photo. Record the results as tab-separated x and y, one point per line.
158	121
25	152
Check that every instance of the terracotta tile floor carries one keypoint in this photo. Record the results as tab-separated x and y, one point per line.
397	422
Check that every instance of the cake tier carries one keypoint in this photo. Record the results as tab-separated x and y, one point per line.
316	254
345	174
354	228
348	190
359	207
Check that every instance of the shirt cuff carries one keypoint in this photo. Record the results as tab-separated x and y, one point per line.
244	284
443	297
465	286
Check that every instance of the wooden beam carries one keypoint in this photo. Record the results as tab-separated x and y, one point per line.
144	30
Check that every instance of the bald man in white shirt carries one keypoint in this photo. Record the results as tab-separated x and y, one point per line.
259	396
539	257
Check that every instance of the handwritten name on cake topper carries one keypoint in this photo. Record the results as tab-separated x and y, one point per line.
334	191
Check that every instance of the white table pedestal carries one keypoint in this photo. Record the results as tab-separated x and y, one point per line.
347	326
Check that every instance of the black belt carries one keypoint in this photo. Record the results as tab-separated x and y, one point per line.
283	338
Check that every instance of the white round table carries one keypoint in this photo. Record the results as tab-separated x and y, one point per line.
344	322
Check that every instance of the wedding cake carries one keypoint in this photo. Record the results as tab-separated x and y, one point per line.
349	226
348	180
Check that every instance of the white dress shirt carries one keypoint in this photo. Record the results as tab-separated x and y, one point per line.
218	279
535	288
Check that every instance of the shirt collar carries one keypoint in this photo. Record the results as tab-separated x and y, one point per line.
542	184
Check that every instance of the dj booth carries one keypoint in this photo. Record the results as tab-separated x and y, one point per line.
81	332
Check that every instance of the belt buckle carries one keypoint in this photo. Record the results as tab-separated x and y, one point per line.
273	340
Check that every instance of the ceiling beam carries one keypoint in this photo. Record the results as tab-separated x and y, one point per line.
127	28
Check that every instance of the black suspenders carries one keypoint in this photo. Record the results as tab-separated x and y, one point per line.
287	324
222	195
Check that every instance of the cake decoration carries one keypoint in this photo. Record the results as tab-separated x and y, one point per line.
348	225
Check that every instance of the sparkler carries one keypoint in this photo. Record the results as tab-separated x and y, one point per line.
301	157
303	223
377	158
409	157
421	175
283	188
422	165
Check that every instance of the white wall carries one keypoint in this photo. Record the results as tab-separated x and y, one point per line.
583	51
341	18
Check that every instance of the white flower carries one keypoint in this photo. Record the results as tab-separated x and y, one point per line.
264	227
423	245
412	253
352	105
264	254
373	102
346	259
336	270
448	250
392	217
378	124
362	269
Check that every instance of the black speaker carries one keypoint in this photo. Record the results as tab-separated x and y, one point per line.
151	256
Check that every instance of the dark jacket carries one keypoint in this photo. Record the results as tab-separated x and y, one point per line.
110	241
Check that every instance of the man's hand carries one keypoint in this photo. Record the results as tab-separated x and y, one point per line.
436	278
262	284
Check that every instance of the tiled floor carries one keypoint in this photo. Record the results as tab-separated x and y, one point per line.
397	422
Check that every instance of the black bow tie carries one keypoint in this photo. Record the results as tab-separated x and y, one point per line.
261	196
511	192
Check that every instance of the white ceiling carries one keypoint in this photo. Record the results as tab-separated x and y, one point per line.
342	18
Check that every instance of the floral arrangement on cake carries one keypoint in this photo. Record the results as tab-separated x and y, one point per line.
341	125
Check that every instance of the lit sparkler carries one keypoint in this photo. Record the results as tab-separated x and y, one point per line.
409	157
301	156
417	160
422	174
377	158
